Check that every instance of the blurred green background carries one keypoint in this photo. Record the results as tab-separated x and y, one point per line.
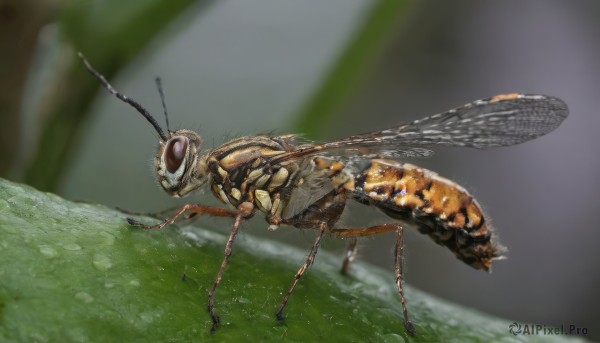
328	70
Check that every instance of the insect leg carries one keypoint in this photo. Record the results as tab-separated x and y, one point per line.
156	215
398	258
194	209
309	261
211	294
364	231
398	273
351	252
352	249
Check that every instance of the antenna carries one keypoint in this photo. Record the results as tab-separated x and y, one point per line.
123	97
162	100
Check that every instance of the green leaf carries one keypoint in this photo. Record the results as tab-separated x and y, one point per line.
77	272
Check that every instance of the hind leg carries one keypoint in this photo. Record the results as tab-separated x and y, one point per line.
351	252
398	258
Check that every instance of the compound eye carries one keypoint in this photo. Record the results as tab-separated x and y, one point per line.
175	152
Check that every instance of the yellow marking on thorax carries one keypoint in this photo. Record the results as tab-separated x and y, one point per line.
335	170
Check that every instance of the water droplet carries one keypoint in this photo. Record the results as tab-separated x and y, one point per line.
72	246
76	335
150	316
48	251
243	300
135	283
10	229
102	262
85	297
4	205
392	337
107	238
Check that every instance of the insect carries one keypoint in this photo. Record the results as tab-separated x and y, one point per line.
307	185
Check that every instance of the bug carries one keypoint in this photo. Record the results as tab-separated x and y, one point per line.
307	185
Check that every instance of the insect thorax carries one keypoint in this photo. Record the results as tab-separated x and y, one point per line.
241	173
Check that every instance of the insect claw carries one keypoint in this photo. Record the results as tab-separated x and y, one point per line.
216	323
134	222
410	328
280	318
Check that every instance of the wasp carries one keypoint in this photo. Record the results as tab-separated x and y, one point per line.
307	184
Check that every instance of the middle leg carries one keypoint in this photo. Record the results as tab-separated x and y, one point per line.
309	261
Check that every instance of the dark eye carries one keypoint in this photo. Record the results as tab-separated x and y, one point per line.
175	152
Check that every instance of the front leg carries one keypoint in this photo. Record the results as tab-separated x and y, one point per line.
244	210
194	210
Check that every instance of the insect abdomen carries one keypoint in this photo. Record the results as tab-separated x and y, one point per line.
439	208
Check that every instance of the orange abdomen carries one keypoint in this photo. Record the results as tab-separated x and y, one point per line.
437	206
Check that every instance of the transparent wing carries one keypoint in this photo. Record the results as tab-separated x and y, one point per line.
351	150
502	120
315	186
